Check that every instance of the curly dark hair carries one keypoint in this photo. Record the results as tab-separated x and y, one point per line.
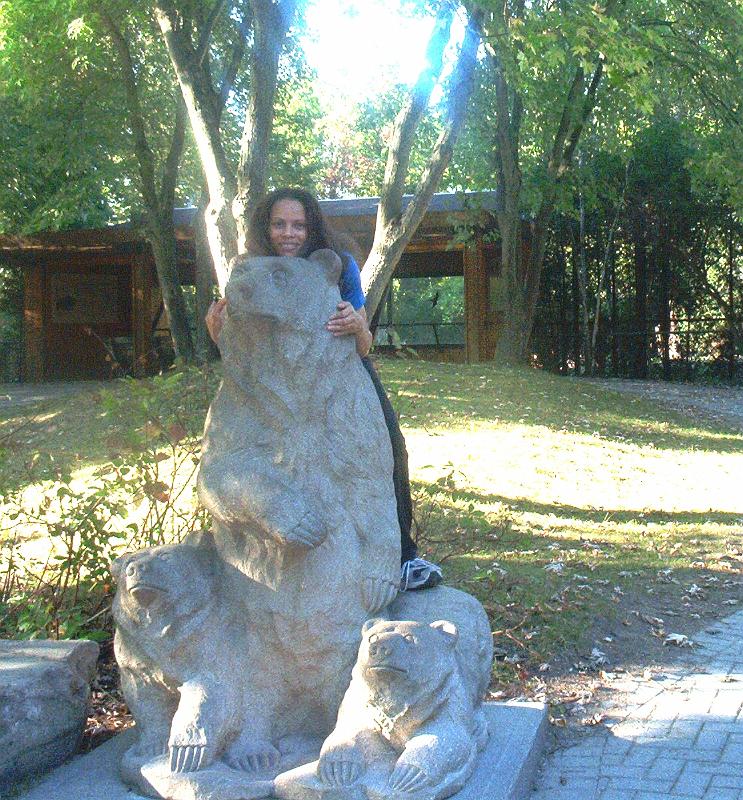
319	235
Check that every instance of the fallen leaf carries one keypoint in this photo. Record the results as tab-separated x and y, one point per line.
677	639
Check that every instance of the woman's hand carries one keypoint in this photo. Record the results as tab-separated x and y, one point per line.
215	317
347	321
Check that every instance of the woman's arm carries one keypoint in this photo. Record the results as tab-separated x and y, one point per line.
348	321
215	319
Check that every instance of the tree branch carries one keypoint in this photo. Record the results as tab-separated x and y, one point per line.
391	237
271	22
205	32
145	157
408	119
460	91
173	160
238	51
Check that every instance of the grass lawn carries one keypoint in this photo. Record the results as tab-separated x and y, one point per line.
590	524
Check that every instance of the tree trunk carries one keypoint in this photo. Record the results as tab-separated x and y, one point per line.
206	350
520	284
640	337
395	227
203	113
159	205
271	23
231	197
664	299
161	235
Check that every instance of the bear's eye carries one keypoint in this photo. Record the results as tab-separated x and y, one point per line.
373	638
409	638
280	277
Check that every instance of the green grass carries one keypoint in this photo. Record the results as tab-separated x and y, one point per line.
513	471
518	469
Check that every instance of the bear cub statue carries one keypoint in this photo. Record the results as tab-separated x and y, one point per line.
171	620
411	722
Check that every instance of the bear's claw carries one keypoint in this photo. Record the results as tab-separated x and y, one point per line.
377	593
188	758
258	757
407	778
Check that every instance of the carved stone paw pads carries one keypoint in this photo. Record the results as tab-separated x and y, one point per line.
377	593
342	765
308	532
258	756
407	778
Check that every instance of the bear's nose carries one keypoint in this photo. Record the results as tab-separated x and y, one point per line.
380	648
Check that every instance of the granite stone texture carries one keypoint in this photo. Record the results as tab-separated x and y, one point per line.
237	646
504	770
44	690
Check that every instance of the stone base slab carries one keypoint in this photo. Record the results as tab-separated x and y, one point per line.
505	770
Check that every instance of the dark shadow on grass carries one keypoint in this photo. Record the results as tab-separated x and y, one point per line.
564	511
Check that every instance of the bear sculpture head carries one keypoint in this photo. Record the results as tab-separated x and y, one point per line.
404	662
295	292
161	585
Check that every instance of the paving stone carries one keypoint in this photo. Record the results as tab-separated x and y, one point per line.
678	739
727	782
665	768
692	782
721	794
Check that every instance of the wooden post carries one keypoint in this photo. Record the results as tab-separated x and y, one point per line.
34	347
475	302
141	311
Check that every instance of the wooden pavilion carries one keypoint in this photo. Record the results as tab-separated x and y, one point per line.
91	295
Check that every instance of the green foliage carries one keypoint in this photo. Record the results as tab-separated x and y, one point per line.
356	146
141	494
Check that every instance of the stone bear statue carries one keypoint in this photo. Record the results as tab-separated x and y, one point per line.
296	471
183	653
411	723
417	690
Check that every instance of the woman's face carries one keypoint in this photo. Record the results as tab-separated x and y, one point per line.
287	227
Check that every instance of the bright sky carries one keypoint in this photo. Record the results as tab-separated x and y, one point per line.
361	47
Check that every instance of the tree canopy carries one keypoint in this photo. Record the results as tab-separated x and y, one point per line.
581	115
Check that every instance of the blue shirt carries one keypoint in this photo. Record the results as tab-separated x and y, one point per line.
350	282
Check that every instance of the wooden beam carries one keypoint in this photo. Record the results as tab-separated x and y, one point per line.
475	301
34	351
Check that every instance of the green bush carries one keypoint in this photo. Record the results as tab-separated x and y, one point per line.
141	494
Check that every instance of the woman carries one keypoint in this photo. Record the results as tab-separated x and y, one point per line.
288	222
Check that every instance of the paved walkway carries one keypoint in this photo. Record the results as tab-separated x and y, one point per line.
717	402
677	738
17	395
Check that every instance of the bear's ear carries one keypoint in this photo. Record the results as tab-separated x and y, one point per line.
118	565
369	624
449	629
331	262
236	263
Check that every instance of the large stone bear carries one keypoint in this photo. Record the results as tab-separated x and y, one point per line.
297	473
